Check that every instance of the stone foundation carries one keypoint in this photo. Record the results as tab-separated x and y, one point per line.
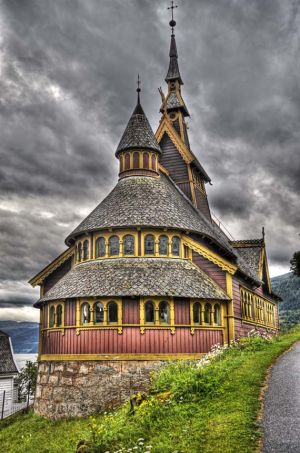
79	388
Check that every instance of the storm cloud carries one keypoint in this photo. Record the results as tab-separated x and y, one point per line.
67	88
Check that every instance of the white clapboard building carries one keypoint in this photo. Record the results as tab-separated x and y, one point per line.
8	372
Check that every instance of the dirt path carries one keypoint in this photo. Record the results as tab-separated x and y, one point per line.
281	416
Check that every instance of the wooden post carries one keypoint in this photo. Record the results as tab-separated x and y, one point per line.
3	401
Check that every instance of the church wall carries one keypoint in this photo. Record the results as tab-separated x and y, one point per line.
211	269
202	203
182	311
131	314
44	314
70	312
131	341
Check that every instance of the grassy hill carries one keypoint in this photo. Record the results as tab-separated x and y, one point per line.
191	408
24	335
287	286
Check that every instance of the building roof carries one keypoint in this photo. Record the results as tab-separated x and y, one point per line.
149	202
7	362
138	133
136	277
250	251
173	71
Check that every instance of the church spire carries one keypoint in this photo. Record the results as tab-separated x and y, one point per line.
173	71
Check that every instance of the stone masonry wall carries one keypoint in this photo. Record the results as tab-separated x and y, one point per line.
81	388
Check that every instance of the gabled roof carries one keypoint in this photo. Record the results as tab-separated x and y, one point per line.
250	250
138	133
51	267
7	362
136	277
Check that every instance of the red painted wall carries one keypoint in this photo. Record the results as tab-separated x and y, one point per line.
211	269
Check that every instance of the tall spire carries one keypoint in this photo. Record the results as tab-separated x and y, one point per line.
173	71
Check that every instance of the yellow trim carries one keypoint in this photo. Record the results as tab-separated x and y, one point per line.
230	317
92	301
166	126
210	255
55	305
264	261
131	357
40	277
257	309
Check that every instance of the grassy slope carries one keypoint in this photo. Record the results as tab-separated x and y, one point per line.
190	411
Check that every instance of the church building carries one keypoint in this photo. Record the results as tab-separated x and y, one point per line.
148	276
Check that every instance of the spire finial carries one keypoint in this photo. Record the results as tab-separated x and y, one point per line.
138	90
172	21
263	232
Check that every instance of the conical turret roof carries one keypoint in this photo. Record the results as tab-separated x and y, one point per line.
138	133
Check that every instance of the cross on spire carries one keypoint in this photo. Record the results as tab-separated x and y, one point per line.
138	90
172	21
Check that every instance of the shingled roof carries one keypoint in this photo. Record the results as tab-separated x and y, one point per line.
7	363
250	251
148	202
138	133
136	277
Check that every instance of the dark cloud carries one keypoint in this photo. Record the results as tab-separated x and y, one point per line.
68	72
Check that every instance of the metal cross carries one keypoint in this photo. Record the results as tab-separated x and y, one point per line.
172	8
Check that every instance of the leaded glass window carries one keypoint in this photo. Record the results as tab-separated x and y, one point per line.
86	249
163	245
112	312
85	313
149	311
175	246
217	314
79	251
52	316
100	247
98	313
59	315
114	246
197	313
207	311
149	244
129	245
164	312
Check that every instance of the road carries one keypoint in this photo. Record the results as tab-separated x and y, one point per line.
281	417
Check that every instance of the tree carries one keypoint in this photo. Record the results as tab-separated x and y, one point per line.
27	380
295	264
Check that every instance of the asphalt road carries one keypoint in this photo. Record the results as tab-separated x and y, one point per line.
281	417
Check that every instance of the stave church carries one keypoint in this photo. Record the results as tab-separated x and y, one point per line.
148	276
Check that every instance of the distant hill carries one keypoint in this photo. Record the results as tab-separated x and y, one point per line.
24	335
287	286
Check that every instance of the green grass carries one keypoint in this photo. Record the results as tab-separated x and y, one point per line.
190	409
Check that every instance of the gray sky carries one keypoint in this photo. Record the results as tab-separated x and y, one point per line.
67	89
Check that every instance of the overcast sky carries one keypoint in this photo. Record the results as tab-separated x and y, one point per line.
67	89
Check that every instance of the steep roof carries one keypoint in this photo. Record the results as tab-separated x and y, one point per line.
136	276
149	202
250	251
7	363
138	133
173	71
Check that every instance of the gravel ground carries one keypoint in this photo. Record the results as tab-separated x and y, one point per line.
281	418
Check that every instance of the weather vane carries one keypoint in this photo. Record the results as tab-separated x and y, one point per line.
172	22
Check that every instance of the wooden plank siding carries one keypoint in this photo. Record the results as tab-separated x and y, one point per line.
131	341
57	274
182	311
70	313
211	269
131	311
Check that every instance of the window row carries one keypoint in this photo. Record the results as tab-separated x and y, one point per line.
257	309
138	159
112	247
153	313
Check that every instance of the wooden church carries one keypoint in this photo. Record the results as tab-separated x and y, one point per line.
148	276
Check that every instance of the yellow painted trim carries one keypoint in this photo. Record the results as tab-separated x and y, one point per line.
229	290
166	126
131	357
210	255
40	277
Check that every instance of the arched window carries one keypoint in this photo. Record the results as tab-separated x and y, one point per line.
127	161
59	315
79	251
98	313
136	159
114	246
197	313
85	313
164	312
112	312
207	312
121	163
153	161
149	311
128	244
146	160
163	245
149	244
217	314
100	247
86	249
175	246
52	316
